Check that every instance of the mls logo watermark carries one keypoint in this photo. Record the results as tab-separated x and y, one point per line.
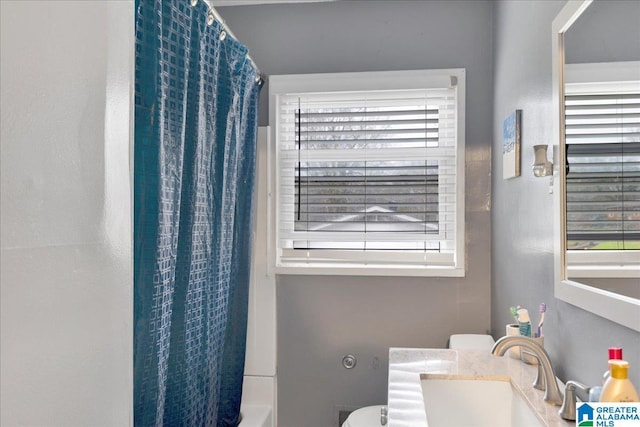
608	414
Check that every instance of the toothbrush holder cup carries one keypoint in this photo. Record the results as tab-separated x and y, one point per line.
513	329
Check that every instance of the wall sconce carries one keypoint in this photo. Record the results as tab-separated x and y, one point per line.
541	165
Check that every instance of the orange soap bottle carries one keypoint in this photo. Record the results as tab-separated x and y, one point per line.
618	387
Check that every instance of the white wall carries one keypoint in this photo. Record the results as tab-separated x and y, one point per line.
66	269
259	386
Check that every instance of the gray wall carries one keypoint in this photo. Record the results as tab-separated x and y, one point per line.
607	31
522	232
320	319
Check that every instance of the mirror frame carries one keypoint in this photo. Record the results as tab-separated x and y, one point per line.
617	308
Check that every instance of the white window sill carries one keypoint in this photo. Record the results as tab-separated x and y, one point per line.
603	264
604	271
370	270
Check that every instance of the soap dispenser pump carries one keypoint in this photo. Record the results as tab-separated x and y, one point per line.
615	353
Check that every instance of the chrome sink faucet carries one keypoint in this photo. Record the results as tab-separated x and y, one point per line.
552	392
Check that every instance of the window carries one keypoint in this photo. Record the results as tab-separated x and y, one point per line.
369	172
602	116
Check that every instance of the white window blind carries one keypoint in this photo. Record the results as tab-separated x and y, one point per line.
368	177
603	166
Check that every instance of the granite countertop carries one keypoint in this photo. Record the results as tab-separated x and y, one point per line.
405	401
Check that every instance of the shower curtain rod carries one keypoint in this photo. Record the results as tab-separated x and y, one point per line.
228	30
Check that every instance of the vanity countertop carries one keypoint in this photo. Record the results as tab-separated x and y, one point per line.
406	407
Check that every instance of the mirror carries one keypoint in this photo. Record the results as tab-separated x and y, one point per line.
595	47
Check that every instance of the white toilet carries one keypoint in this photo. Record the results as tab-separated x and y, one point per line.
369	416
471	342
374	416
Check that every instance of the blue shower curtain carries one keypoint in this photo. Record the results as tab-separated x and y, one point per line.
196	97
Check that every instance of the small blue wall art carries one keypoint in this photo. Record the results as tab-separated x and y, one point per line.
511	145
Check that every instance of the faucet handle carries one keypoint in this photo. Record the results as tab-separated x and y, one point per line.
568	408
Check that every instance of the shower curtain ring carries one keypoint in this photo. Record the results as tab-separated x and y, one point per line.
210	18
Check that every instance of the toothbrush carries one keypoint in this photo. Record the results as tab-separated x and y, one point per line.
543	308
524	321
514	312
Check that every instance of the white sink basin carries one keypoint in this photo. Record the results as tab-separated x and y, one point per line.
471	400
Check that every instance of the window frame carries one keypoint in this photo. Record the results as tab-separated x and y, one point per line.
600	263
357	262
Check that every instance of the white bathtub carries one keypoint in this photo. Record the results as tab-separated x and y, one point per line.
258	401
255	415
